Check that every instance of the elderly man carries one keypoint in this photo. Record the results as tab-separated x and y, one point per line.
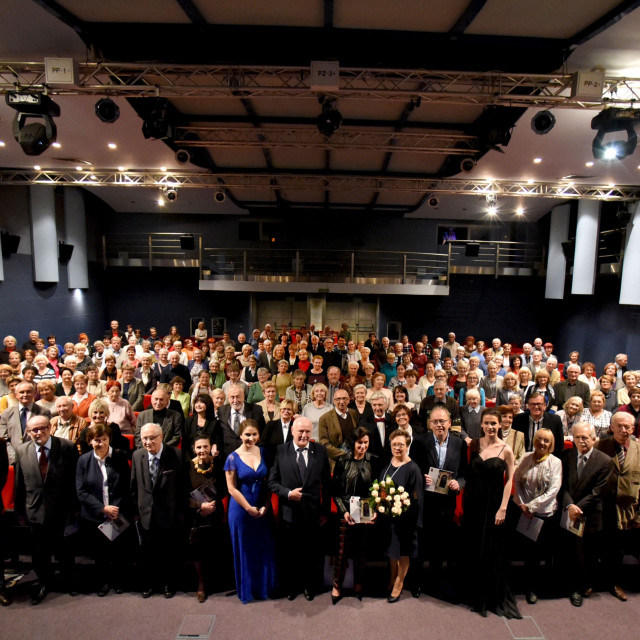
438	399
9	347
132	389
446	452
45	499
621	365
536	363
383	351
145	372
96	387
622	517
31	342
552	369
452	344
158	496
13	422
300	477
116	350
539	418
526	356
176	369
333	383
171	422
232	415
571	387
380	425
336	427
586	474
67	424
445	352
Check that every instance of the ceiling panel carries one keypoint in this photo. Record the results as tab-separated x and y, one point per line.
281	12
152	11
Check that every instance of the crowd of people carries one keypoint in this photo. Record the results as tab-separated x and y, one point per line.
240	453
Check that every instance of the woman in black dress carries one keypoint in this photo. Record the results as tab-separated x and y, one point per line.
352	476
202	423
206	477
403	529
486	497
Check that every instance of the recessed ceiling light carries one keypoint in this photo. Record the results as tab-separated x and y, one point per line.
163	168
57	145
529	181
611	186
537	160
520	211
121	169
590	164
112	145
93	177
160	202
492	210
78	168
37	167
2	144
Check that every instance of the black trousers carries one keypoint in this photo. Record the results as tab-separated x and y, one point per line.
302	557
48	540
162	555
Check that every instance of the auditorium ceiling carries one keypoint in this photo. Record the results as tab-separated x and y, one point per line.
420	108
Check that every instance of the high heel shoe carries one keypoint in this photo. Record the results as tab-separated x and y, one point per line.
335	599
392	599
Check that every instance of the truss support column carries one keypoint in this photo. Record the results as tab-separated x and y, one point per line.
556	262
585	259
629	289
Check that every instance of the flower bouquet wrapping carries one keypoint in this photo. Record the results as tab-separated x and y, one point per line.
387	499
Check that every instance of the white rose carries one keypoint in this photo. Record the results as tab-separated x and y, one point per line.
376	486
405	495
381	509
388	479
407	502
400	489
396	498
377	499
383	483
374	493
392	490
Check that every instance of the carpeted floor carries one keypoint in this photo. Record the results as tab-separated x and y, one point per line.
128	616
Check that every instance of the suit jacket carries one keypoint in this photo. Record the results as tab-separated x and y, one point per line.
549	421
11	429
212	428
77	427
430	402
179	370
231	439
152	382
160	504
272	436
563	392
50	502
378	445
172	426
285	476
330	432
137	392
89	481
590	489
263	361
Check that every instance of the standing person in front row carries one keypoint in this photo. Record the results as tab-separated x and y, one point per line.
486	497
301	478
250	518
157	489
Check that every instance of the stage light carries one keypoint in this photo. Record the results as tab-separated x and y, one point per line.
329	120
36	137
612	120
158	123
543	122
107	110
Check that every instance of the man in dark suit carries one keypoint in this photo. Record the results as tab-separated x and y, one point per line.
132	388
46	499
265	359
571	387
176	369
438	399
336	427
332	357
586	475
232	415
278	432
381	425
440	535
537	418
172	422
300	477
13	422
158	496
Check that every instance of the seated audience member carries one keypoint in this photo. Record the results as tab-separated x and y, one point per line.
66	424
9	347
10	399
171	422
282	379
470	416
120	410
515	439
630	382
270	406
538	418
179	399
256	391
315	409
516	403
633	407
570	413
249	373
473	383
606	385
571	387
110	371
197	364
378	386
542	384
317	375
132	388
552	368
398	380
95	386
233	375
299	392
438	399
491	382
5	372
509	388
588	375
47	391
388	369
574	358
44	369
176	368
161	366
596	415
416	394
218	377
82	399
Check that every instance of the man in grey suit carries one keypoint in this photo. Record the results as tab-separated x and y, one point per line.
172	422
13	422
45	499
571	387
158	496
132	388
232	415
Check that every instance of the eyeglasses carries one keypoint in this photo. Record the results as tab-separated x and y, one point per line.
38	429
150	438
438	422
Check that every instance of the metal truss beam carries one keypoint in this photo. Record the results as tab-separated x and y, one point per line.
344	138
223	81
273	181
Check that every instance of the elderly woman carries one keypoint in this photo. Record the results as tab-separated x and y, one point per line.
429	377
352	379
283	379
179	395
47	393
298	392
416	394
574	358
110	372
45	371
131	357
201	385
537	481
65	386
369	370
543	386
256	392
315	409
120	410
379	380
352	476
610	369
473	382
270	405
82	399
99	414
206	513
588	375
514	438
218	377
362	408
596	415
10	399
570	413
103	487
630	381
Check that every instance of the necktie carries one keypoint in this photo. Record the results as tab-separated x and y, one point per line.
621	455
153	470
581	462
302	465
236	422
23	419
43	463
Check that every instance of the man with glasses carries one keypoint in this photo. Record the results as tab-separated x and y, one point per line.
158	496
537	417
438	399
622	517
45	500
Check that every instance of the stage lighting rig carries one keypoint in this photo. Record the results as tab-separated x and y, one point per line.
36	137
612	120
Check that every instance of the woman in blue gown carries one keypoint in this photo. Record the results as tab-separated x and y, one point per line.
250	519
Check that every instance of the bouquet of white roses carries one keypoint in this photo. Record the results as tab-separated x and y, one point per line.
387	499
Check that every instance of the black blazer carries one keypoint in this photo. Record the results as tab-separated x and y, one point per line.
152	382
378	446
160	504
212	428
272	436
285	476
172	426
549	421
89	482
588	491
51	502
231	439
